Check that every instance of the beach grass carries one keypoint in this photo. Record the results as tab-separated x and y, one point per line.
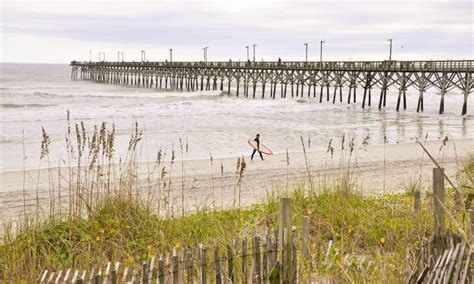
378	229
375	238
372	235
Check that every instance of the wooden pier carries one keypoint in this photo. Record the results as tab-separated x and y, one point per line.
320	80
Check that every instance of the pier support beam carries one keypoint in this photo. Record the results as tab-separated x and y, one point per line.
467	88
420	101
441	103
383	93
367	89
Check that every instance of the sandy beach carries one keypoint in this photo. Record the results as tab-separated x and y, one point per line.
376	169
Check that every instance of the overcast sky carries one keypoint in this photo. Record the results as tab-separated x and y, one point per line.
64	30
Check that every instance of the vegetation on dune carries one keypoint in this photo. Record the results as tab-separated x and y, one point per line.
374	237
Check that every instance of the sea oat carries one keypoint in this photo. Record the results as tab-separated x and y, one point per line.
45	141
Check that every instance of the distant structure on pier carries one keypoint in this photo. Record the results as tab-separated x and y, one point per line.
295	79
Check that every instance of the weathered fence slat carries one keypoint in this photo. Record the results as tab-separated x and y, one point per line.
84	275
439	201
66	275
244	261
113	276
134	276
305	241
450	263
459	262
175	261
203	264
217	267
74	277
144	273
182	266
152	268
328	250
423	274
189	266
467	266
257	277
444	267
286	237
58	277
43	276
265	256
106	272
51	276
294	264
230	262
125	273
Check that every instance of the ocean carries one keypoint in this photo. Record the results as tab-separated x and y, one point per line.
36	96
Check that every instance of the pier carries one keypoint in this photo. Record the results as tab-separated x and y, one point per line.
323	81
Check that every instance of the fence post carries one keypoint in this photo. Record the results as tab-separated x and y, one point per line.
438	195
286	239
306	238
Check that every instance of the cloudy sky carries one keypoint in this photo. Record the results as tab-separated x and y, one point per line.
64	30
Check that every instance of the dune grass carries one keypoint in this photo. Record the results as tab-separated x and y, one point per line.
375	237
372	235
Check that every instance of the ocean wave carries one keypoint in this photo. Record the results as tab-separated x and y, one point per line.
149	94
14	106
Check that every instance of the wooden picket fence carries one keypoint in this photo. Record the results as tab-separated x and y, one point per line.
282	256
446	257
450	265
239	264
271	258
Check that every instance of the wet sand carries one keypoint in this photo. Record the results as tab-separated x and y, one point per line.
377	169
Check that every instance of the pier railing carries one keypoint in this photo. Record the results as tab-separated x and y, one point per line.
428	66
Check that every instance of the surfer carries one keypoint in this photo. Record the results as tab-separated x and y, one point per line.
257	140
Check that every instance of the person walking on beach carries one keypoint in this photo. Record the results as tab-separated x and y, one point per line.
257	140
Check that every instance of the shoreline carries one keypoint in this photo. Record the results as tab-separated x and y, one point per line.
376	169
